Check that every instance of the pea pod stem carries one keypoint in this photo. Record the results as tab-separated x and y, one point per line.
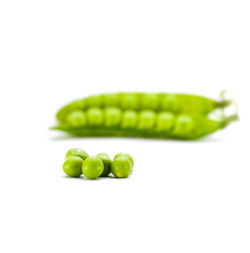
223	101
226	120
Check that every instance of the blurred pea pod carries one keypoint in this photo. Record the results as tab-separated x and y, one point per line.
152	115
176	103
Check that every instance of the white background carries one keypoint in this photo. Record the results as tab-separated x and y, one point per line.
183	196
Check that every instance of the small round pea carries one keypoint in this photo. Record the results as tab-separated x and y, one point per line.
165	121
126	155
147	119
77	152
184	124
121	167
129	119
73	166
95	116
112	116
92	167
76	118
106	163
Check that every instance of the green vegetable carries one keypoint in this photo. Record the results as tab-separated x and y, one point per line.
157	102
112	116
76	152
145	115
121	167
106	163
94	116
162	125
73	166
76	118
147	120
92	167
125	155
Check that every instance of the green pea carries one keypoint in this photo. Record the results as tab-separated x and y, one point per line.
125	155
95	116
121	167
170	103
129	101
73	166
184	124
92	167
147	119
129	119
150	101
165	121
112	116
106	162
77	152
76	118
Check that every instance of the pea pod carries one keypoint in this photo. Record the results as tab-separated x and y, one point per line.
145	124
157	102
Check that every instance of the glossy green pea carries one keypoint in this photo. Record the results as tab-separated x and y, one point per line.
129	119
76	118
121	167
95	116
184	124
77	152
106	163
165	121
73	166
125	155
112	116
92	167
147	119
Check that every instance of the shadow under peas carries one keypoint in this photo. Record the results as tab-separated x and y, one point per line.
97	179
208	139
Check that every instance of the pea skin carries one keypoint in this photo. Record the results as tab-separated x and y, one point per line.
73	166
92	167
106	163
122	165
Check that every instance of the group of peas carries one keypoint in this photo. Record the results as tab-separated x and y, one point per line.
130	119
78	162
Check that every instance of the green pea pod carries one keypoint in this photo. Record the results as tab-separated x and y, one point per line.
157	102
149	124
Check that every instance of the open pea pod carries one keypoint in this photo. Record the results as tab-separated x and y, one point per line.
157	102
112	121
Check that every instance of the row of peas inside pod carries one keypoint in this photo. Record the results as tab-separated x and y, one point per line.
146	115
78	162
